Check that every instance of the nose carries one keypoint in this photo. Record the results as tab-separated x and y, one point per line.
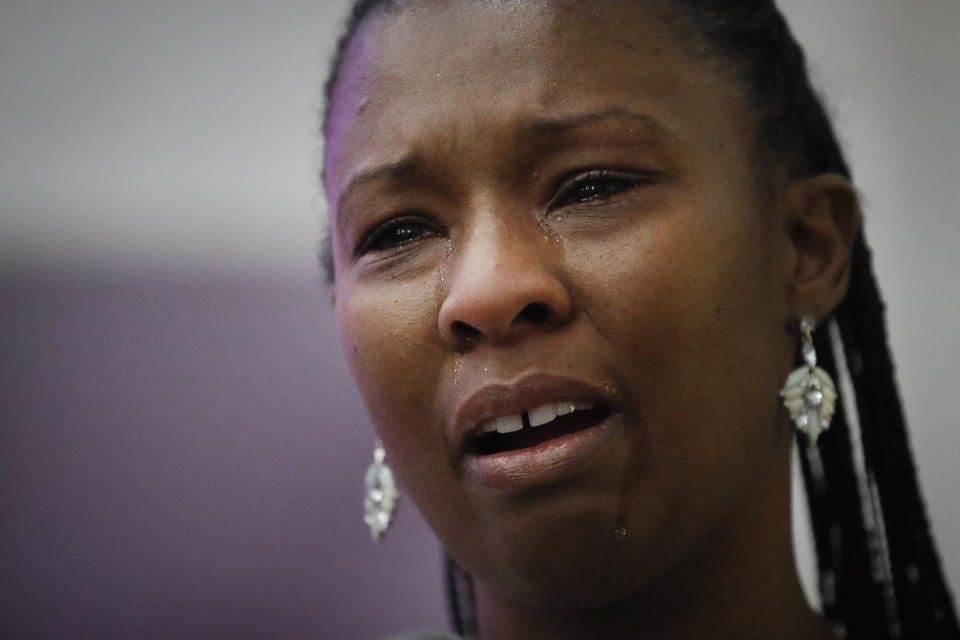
502	284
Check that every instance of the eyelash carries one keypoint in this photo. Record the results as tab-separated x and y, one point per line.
397	232
387	236
622	181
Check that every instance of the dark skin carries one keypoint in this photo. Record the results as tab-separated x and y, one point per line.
485	157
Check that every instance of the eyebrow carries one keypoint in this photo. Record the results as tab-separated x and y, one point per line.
394	170
555	126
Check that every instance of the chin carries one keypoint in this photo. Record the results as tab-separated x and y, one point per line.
575	553
596	580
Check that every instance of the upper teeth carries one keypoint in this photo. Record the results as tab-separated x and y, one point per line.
536	417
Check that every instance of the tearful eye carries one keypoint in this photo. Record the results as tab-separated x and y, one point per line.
595	185
394	234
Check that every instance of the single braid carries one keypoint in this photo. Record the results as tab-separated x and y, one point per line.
880	576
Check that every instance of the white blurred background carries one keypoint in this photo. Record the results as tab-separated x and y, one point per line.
180	447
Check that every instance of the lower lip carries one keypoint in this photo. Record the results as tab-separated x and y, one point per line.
545	463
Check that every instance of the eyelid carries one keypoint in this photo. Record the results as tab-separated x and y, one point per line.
633	176
370	235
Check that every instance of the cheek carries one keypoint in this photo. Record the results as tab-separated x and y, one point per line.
388	336
673	277
691	322
392	344
689	305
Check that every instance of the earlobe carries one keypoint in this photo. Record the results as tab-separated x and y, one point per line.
823	219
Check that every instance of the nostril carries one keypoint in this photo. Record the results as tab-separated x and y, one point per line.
464	331
534	313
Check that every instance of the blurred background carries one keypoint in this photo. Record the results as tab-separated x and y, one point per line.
181	447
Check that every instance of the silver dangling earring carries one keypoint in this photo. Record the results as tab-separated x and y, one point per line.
381	494
809	393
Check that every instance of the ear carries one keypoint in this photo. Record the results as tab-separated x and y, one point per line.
822	220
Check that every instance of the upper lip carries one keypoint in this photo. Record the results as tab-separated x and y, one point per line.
523	394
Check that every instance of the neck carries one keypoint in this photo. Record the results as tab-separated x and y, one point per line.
740	583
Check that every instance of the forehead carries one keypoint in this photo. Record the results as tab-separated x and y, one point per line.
452	71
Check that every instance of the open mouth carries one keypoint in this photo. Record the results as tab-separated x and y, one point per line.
535	427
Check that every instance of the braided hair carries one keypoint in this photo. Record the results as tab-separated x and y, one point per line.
879	573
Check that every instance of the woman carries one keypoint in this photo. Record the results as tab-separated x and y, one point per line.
573	246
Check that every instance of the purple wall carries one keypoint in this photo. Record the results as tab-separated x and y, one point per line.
186	460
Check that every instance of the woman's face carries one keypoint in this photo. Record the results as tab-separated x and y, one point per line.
545	205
